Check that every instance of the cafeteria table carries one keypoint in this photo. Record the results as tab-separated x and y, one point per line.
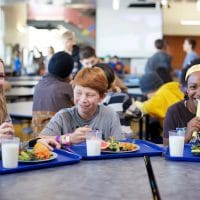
19	92
137	94
25	83
176	180
21	110
23	78
131	82
114	179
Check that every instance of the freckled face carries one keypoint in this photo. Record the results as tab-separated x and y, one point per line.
86	99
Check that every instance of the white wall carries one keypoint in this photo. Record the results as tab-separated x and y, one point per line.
127	32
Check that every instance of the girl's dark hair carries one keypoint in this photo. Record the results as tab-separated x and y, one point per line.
164	74
110	75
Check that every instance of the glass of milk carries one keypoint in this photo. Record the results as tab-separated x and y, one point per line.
176	142
93	142
10	152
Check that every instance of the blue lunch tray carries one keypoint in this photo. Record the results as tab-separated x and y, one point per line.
187	155
63	158
146	148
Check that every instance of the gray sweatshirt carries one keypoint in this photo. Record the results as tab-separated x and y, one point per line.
68	120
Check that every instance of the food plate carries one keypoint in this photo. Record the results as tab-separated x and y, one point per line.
129	151
54	156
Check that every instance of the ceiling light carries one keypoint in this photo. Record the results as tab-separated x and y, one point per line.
164	3
190	22
115	4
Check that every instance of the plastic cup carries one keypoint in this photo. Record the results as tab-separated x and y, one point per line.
93	142
10	152
176	143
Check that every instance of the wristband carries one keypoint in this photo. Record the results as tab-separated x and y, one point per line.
58	139
67	140
64	139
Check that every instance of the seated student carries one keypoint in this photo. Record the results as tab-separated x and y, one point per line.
119	101
117	66
183	73
53	92
160	97
159	58
88	56
70	125
183	113
164	74
6	128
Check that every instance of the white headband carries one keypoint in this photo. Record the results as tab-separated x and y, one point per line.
194	68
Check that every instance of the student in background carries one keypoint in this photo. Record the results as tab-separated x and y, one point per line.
160	58
119	101
88	56
164	74
160	97
72	49
68	40
69	125
183	113
50	53
189	46
117	66
17	64
6	128
76	58
53	92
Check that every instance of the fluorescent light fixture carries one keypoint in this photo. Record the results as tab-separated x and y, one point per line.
164	2
115	4
190	22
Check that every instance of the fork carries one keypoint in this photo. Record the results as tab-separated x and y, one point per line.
24	145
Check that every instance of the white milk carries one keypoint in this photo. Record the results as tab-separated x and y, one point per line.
176	145
93	147
10	153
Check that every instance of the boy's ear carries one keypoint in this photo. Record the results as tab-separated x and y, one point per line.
102	97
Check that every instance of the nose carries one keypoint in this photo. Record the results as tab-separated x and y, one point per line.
83	98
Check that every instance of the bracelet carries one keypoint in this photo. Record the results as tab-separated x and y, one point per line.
67	139
58	139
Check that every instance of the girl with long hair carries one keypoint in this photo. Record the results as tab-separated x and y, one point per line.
6	128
